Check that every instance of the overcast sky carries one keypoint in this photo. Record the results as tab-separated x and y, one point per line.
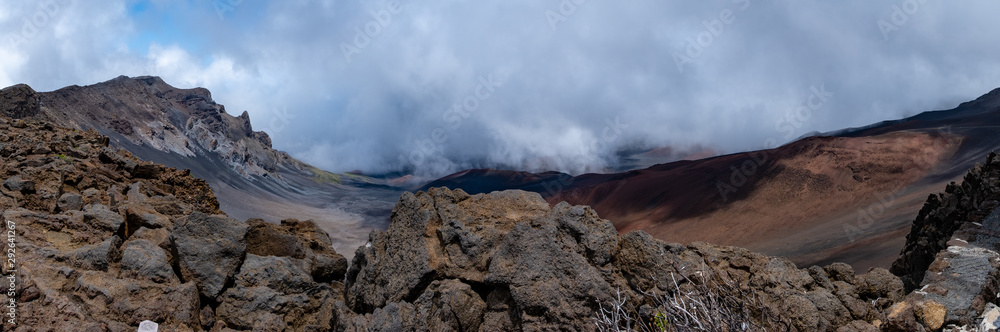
372	85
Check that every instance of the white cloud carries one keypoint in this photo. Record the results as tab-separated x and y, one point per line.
284	63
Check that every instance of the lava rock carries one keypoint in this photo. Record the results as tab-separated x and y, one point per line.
19	184
273	285
209	249
146	260
101	217
450	305
19	101
70	202
97	256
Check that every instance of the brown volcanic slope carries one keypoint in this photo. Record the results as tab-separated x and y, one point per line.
187	129
847	196
796	204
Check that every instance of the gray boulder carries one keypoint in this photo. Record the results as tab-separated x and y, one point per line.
146	260
441	234
209	249
17	183
303	241
534	260
273	285
70	202
133	301
450	305
19	101
96	256
102	218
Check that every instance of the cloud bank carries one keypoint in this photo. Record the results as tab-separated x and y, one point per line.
433	87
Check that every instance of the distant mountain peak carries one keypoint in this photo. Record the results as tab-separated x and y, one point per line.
147	112
990	99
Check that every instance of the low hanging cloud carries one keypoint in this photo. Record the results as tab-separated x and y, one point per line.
433	87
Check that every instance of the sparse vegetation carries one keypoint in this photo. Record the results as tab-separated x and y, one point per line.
65	158
322	176
707	303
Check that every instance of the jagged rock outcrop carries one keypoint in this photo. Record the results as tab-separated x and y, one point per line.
943	214
951	260
274	291
538	268
21	101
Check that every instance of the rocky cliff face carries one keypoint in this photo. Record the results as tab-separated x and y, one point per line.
943	214
952	253
148	112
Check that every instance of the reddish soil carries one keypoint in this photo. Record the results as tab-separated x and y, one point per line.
804	200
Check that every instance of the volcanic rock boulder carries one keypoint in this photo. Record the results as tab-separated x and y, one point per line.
97	256
451	305
449	242
303	241
145	260
275	286
16	183
209	249
442	234
127	302
533	260
19	101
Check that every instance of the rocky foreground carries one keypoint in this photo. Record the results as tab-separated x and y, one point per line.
104	241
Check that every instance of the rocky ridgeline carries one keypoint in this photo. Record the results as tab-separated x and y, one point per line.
147	112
